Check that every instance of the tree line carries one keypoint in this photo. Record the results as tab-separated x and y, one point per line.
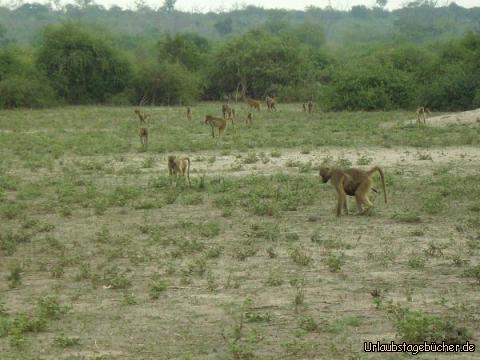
78	63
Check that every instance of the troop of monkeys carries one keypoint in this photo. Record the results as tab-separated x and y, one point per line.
352	182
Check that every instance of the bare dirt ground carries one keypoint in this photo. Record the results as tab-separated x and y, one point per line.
459	118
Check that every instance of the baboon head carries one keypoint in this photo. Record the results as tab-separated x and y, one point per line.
325	174
171	161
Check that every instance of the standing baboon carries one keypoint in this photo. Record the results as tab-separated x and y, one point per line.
141	116
352	182
178	166
143	133
422	113
271	103
228	113
248	120
189	113
253	104
215	122
310	106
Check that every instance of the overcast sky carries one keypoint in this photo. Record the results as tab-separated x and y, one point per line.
225	5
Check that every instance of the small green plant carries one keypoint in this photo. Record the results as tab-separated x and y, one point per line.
15	277
335	261
157	286
364	160
274	279
251	158
307	323
473	272
300	256
416	261
64	341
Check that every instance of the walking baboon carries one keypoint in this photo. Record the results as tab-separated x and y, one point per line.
215	122
352	182
178	166
141	116
189	113
253	104
421	112
143	133
271	103
248	120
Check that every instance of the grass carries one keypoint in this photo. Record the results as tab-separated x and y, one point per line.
102	258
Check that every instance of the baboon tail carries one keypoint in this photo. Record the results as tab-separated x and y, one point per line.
382	176
188	170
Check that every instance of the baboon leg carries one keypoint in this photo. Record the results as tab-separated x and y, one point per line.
345	205
362	193
342	197
359	203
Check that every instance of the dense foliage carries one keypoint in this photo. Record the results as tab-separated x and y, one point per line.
362	59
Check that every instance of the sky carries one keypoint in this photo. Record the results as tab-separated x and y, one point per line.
225	5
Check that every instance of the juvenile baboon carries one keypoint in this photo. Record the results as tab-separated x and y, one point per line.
178	167
141	116
352	182
422	113
143	133
310	106
189	113
248	120
253	104
215	122
271	103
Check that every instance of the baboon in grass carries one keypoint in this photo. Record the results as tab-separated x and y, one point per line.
422	113
143	133
189	113
216	122
178	167
304	107
228	113
271	103
142	116
352	182
310	106
253	104
248	120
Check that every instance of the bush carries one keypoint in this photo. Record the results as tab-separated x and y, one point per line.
82	66
166	84
21	91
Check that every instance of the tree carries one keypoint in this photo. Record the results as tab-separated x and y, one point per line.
83	67
168	6
188	49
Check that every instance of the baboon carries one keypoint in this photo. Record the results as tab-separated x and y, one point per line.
248	120
352	182
304	107
178	166
189	113
228	113
310	106
215	122
271	103
141	116
421	112
253	104
143	133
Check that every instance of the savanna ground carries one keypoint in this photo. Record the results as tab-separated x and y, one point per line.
100	258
